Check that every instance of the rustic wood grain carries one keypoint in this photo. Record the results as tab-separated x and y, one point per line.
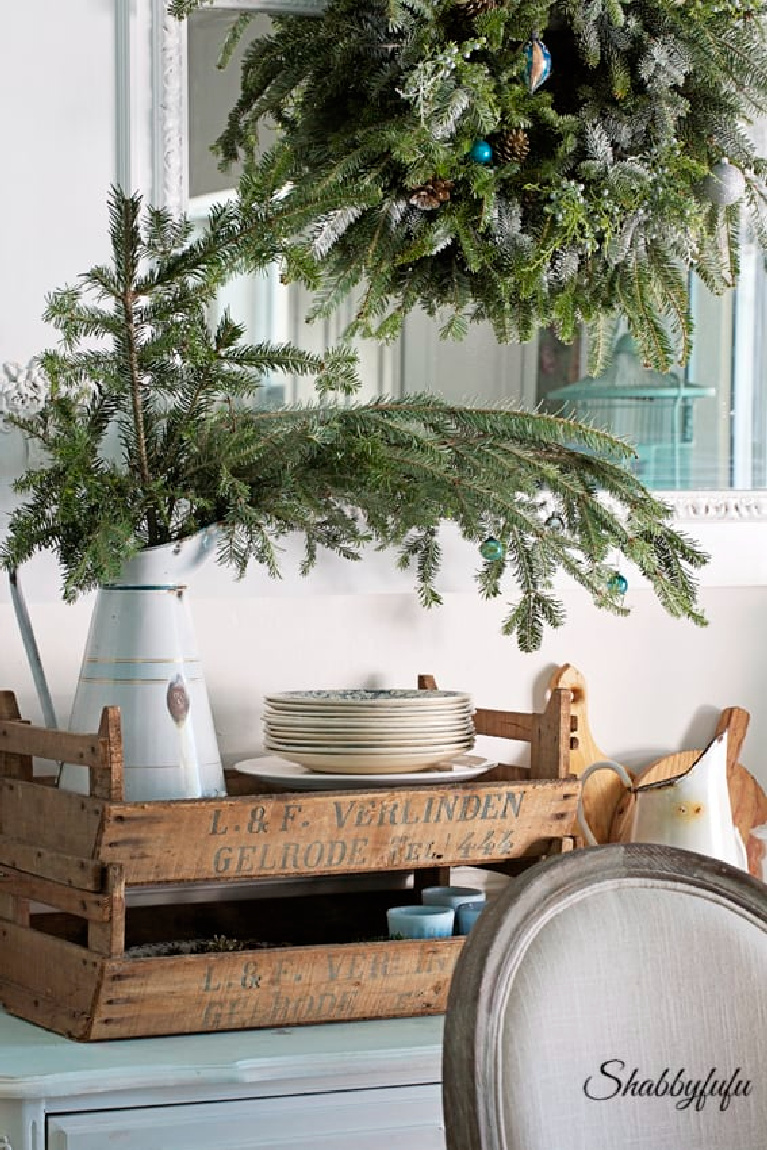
265	988
108	775
107	936
51	967
12	765
55	894
547	732
14	908
61	746
320	833
18	766
47	817
550	737
50	1012
604	790
47	864
504	724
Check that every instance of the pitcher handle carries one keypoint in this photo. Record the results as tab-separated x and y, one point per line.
32	652
606	764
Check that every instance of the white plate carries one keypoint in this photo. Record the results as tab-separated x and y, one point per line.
375	699
376	715
383	762
352	746
376	722
371	739
280	772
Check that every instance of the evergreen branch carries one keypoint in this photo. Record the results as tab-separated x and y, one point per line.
195	451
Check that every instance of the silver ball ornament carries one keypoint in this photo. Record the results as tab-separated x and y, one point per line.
724	185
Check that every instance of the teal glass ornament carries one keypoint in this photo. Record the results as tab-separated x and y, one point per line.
618	582
492	550
555	522
481	152
537	62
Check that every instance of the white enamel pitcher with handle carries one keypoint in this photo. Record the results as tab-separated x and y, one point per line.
141	655
691	811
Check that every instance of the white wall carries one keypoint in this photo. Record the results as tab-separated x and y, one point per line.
656	685
58	148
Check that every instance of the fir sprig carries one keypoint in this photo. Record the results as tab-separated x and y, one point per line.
152	432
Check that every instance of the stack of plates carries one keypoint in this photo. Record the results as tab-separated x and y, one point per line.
368	732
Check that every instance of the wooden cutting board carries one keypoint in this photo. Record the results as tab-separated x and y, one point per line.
604	789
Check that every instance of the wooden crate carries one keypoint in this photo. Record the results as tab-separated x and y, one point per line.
75	970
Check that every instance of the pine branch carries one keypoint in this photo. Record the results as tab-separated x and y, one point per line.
195	450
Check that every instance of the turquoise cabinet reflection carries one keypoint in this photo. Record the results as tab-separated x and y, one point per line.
693	429
653	411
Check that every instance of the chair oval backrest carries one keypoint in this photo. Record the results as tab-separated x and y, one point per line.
612	998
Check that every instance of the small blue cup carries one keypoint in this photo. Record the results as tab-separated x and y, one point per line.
468	913
421	921
451	895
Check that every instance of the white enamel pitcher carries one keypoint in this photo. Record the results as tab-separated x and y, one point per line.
141	655
691	811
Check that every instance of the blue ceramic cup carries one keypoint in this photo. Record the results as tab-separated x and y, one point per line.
468	913
451	895
421	921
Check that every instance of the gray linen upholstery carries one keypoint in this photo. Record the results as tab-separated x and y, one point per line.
619	1000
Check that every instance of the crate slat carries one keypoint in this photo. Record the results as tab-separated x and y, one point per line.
52	1013
84	874
97	908
45	816
334	832
282	987
60	746
48	966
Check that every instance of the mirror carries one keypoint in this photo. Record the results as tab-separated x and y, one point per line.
702	428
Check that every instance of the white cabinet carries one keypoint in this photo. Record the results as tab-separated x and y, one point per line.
345	1086
398	1119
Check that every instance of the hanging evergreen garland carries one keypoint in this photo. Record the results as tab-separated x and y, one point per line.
622	112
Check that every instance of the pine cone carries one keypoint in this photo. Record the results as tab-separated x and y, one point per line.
512	145
430	195
476	7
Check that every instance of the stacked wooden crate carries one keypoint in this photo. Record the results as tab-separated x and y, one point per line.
95	964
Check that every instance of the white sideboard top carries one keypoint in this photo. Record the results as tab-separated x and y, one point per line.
355	1055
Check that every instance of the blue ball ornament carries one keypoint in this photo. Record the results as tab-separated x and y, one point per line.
619	583
481	152
492	550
